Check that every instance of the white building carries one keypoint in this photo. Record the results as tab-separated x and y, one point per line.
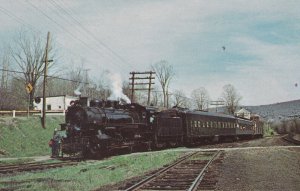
243	113
55	103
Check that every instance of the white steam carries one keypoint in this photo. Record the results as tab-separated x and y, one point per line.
117	93
77	91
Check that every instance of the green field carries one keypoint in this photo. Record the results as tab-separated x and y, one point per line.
23	137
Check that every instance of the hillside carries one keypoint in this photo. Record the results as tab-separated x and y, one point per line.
277	111
273	112
24	136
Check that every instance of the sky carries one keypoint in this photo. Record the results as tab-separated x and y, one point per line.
253	45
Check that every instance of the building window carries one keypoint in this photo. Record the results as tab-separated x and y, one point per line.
48	107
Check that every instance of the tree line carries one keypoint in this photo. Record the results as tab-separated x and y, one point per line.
23	62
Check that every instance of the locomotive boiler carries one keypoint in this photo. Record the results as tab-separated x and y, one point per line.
104	126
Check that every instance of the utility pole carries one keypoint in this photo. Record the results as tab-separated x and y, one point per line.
217	103
132	86
149	87
45	81
86	93
134	83
4	72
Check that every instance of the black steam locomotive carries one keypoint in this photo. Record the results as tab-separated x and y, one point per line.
104	126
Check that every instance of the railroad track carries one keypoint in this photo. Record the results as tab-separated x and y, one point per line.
185	174
33	166
291	140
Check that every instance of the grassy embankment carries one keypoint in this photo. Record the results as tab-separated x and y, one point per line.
90	175
23	137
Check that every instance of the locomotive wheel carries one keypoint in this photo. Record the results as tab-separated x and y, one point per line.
172	144
131	149
157	144
148	146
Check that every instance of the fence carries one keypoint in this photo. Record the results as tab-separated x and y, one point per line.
15	113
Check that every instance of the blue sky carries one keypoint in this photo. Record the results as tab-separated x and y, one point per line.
262	40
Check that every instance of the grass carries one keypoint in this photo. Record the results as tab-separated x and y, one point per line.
23	137
90	175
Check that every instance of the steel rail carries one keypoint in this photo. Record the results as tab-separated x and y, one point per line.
32	166
291	140
149	178
199	178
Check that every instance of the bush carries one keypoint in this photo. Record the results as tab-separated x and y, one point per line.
287	126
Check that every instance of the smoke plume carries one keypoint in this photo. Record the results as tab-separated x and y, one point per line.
116	88
77	91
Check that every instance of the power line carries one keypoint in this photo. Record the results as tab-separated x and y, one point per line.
54	77
72	35
68	12
29	26
68	32
21	21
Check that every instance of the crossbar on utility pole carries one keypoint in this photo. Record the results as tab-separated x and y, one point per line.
44	84
134	83
217	103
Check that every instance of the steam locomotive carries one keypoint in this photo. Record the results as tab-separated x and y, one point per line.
104	126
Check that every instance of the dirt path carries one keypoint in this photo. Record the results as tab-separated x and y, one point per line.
260	169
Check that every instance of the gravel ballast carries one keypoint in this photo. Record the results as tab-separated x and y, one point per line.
260	169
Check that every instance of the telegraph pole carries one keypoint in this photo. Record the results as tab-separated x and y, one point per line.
149	87
134	83
45	81
217	103
132	86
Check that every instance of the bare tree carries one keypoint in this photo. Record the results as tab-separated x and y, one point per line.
180	99
103	85
156	97
231	98
201	98
165	73
28	53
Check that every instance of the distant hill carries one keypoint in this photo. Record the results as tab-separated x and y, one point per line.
273	112
277	111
